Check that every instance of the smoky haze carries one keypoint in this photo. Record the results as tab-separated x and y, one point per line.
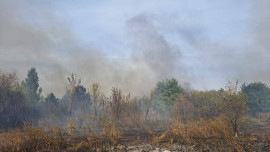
33	35
55	52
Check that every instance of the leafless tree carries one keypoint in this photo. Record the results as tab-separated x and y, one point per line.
235	105
148	104
116	103
95	95
74	83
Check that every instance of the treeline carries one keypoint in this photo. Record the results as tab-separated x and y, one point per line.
22	102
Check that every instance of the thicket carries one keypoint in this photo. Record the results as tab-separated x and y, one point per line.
86	117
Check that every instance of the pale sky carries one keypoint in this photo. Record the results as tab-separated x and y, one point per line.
132	44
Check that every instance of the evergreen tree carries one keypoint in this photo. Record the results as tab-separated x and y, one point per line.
258	95
31	88
51	98
166	93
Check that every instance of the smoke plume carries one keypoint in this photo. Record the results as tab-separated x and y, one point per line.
33	35
52	48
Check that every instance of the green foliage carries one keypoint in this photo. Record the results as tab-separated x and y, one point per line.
51	98
82	100
31	88
8	86
258	95
166	93
74	83
12	101
81	94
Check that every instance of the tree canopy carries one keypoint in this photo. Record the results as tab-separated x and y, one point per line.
258	95
31	88
51	98
166	93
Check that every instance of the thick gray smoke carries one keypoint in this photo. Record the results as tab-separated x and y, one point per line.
152	48
258	57
32	35
23	46
153	59
51	47
251	62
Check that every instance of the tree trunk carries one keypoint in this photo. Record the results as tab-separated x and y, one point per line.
146	115
235	127
95	113
71	104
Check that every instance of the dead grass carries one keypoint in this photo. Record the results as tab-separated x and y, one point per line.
206	134
31	139
213	135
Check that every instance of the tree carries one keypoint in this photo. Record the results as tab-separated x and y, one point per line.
49	106
116	103
51	101
235	105
95	94
31	88
82	100
183	109
147	104
207	104
166	93
74	82
51	98
12	102
81	94
258	95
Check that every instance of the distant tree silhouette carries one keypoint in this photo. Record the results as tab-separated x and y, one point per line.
31	88
72	88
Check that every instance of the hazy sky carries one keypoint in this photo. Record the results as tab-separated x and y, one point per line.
132	44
